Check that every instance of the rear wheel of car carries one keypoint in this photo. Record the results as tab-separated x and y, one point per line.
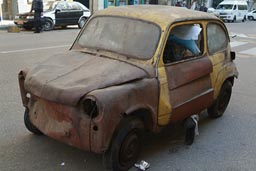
29	125
27	27
250	18
125	147
48	24
82	22
221	103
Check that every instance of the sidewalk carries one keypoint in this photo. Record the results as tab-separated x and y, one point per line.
4	24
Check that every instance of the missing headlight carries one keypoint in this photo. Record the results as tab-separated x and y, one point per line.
90	108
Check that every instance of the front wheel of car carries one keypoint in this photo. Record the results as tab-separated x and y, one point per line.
29	125
82	22
250	18
221	103
244	19
125	146
48	25
234	19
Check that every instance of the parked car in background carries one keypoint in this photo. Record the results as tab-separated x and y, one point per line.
58	13
131	69
213	11
232	10
251	15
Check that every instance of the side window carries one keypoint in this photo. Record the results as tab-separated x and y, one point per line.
184	41
74	6
217	39
63	6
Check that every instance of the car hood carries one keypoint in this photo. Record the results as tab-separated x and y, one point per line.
26	14
65	78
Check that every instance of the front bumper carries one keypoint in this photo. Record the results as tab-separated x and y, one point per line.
24	23
226	17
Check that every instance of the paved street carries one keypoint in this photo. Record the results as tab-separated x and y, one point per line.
224	144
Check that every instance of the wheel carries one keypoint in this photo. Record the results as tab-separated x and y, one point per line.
244	19
29	125
250	18
82	22
221	103
48	24
234	20
125	147
27	27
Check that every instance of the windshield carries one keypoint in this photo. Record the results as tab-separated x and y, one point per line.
134	38
49	6
226	6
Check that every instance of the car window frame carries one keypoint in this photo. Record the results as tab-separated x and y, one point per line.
76	45
179	23
224	30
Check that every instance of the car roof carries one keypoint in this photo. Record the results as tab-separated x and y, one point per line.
162	15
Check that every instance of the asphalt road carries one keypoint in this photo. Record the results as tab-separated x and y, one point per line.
224	144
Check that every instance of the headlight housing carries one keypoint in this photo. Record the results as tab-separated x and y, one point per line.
89	107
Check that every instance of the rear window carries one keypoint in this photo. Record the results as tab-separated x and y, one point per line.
134	38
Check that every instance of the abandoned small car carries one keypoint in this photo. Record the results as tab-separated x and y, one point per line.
131	69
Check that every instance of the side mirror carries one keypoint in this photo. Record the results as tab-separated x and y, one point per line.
57	10
233	55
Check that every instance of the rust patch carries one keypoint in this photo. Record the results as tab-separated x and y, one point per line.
192	106
188	71
23	92
63	123
190	88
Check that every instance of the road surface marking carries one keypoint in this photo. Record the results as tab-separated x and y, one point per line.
235	44
34	49
251	51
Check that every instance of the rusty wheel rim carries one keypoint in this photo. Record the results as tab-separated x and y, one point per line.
129	149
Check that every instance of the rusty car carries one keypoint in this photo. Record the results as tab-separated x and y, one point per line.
131	69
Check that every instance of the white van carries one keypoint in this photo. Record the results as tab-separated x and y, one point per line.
232	10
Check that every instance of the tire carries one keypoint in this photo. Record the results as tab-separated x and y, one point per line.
82	22
48	24
244	19
221	103
234	19
29	125
125	147
250	18
28	27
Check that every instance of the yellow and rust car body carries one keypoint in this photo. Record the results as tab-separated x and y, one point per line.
161	99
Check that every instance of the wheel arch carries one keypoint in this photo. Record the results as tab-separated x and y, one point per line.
145	115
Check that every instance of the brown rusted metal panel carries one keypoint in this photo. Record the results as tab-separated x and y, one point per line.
63	123
118	101
23	92
67	77
192	106
188	71
188	91
190	88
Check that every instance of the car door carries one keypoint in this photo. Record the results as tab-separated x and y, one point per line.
75	13
187	70
62	13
